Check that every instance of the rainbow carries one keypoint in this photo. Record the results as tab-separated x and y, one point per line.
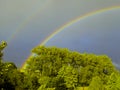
64	26
27	20
68	24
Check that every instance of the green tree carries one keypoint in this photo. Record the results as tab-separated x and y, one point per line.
48	61
13	79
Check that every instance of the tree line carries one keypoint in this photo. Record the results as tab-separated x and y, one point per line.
52	68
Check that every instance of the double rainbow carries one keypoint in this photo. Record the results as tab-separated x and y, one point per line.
68	24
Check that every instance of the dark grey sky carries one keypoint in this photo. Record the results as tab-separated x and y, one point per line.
25	23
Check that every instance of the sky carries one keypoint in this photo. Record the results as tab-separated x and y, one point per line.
25	24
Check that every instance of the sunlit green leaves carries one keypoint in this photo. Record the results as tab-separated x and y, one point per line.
113	82
96	84
67	69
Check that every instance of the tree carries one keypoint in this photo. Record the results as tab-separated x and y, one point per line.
12	79
50	61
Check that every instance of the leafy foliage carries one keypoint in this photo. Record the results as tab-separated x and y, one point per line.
71	69
96	84
52	68
113	82
69	75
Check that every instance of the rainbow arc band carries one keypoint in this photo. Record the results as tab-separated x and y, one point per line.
68	24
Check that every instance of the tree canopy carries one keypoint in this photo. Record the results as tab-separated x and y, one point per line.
74	68
52	68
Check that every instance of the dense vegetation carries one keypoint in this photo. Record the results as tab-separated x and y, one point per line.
52	68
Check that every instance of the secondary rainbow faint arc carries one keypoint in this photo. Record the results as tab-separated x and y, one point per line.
71	23
27	20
